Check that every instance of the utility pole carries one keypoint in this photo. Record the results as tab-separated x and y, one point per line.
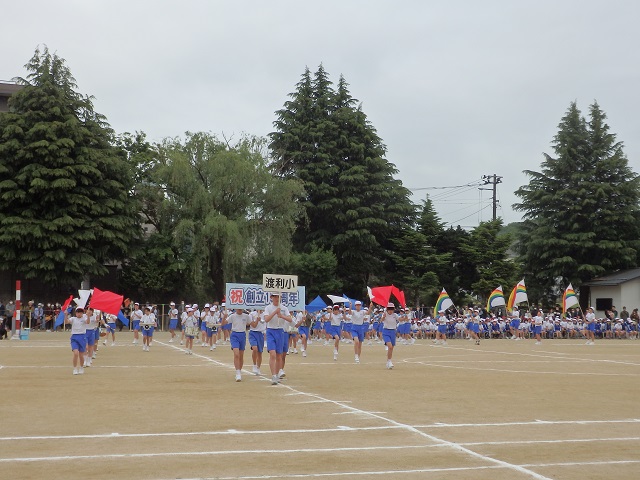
494	180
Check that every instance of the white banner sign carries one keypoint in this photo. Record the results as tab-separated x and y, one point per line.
272	282
250	296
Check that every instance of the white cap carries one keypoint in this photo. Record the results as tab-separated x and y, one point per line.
189	309
440	311
194	305
206	305
224	304
275	294
172	304
358	302
390	305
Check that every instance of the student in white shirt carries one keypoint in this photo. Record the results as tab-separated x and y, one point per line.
275	315
389	326
78	338
173	320
238	338
257	329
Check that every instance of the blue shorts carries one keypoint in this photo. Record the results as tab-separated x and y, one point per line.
238	340
136	325
357	331
474	327
275	340
389	336
91	337
173	323
203	327
209	331
591	327
333	331
515	324
537	329
112	326
227	326
442	329
256	339
96	334
147	332
79	342
303	331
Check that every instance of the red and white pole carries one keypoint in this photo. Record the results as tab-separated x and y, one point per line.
15	326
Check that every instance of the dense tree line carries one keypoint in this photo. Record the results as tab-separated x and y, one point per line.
581	211
318	198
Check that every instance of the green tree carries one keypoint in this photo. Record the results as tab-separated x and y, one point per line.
581	210
353	205
226	205
65	207
153	270
486	250
417	261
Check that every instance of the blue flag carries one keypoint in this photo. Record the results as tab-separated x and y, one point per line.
123	319
60	318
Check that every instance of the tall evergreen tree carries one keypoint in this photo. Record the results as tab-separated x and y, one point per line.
486	250
353	205
581	211
417	262
65	207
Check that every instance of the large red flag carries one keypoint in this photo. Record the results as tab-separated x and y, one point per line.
399	294
106	301
381	295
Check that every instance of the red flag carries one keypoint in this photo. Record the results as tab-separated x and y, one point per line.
399	294
67	302
106	301
381	295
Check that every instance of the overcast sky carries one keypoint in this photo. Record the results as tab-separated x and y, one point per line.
456	89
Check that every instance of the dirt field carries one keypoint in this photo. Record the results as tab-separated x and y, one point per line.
501	410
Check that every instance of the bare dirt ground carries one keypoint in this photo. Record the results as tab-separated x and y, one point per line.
501	410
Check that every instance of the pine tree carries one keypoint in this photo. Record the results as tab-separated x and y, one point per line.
419	268
353	205
486	250
581	210
65	207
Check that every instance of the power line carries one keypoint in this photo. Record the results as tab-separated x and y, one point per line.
474	183
464	218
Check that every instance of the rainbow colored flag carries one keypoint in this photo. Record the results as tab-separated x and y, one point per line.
518	295
443	302
496	299
569	299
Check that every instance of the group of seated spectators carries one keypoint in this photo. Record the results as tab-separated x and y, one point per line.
555	325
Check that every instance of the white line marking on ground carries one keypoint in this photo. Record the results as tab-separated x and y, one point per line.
568	440
216	453
528	372
191	434
537	422
540	354
346	474
318	430
422	470
435	439
580	464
